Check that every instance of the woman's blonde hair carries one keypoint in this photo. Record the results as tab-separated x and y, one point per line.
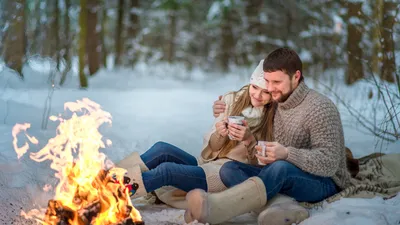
262	131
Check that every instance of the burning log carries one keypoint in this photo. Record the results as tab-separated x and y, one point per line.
88	213
127	211
129	221
57	214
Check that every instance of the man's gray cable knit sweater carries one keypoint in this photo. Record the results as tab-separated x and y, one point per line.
309	125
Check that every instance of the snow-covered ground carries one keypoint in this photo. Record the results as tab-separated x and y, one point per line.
151	104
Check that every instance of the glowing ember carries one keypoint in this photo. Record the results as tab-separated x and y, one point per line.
88	191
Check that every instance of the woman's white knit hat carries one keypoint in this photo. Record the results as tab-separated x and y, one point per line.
257	78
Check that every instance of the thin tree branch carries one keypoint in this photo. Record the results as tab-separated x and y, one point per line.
395	115
383	97
378	132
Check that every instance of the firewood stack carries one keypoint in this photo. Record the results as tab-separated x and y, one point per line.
58	214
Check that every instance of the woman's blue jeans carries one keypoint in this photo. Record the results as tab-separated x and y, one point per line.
170	165
281	177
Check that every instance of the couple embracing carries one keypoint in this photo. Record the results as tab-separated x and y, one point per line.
289	148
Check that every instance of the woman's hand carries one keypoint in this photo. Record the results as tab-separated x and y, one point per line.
240	132
221	127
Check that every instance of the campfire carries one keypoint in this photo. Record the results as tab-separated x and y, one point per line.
90	189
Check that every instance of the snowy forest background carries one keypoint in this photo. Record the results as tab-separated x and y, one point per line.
211	34
79	38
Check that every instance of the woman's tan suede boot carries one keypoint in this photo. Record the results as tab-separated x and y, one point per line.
135	174
215	208
131	160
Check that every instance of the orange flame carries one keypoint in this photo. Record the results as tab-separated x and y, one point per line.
74	154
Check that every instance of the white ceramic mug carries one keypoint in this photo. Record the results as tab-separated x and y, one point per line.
236	120
263	145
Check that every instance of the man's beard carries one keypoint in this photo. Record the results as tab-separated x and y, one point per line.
284	97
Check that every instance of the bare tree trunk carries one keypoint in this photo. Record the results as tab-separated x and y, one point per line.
227	42
289	20
388	60
68	38
43	27
45	47
14	55
67	42
172	35
93	43
119	43
35	42
103	34
354	31
3	33
49	47
254	26
82	43
57	28
376	57
133	30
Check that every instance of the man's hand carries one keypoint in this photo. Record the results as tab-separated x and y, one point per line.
273	152
218	107
239	132
221	127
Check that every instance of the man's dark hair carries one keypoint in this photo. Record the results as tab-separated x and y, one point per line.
285	60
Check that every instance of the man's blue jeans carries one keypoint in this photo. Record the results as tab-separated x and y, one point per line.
170	165
281	177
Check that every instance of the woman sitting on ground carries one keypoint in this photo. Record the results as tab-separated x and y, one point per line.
166	165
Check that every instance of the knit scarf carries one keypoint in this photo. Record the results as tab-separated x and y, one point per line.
252	116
